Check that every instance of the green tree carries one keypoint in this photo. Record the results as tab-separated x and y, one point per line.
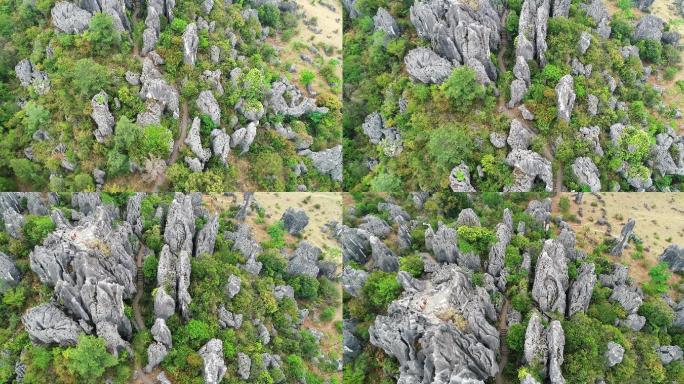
89	77
102	34
89	359
307	77
305	287
412	264
385	182
515	338
381	288
475	238
35	117
657	312
150	267
448	145
36	228
659	274
462	88
269	15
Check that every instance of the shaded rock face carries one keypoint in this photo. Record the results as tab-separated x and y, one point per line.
244	137
597	11
92	270
545	346
551	278
388	138
587	173
102	117
468	217
157	89
614	353
383	21
424	65
519	137
628	297
9	274
383	258
294	220
214	366
220	145
462	33
69	18
375	225
328	161
352	346
581	289
565	97
528	166
674	257
667	156
419	331
114	8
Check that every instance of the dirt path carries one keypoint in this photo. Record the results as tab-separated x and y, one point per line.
503	346
137	315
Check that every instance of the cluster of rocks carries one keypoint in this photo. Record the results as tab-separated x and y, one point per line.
28	74
90	265
155	10
461	33
528	166
388	138
159	95
544	346
70	18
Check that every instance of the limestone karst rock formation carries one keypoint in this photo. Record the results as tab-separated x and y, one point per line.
551	278
69	18
418	331
462	33
102	117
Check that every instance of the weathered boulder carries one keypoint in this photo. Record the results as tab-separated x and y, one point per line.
551	278
206	237
232	287
294	220
244	137
649	27
180	225
164	305
587	173
536	345
628	297
28	74
468	217
103	118
597	11
69	18
383	21
353	280
328	161
669	353
227	319
303	260
565	97
625	234
634	322
519	137
528	166
352	346
518	91
581	289
156	352
592	105
674	257
442	243
214	366
424	65
584	42
190	44
47	324
207	104
459	179
419	331
244	365
591	134
532	27
285	98
383	258
220	145
354	242
498	139
614	353
375	225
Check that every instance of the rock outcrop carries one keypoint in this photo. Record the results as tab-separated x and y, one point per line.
304	260
102	117
294	220
459	179
551	278
69	18
207	104
28	74
328	161
47	324
581	289
462	33
190	44
625	234
214	366
92	270
420	332
9	274
285	98
532	27
528	166
674	257
614	353
587	173
565	97
424	65
383	21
